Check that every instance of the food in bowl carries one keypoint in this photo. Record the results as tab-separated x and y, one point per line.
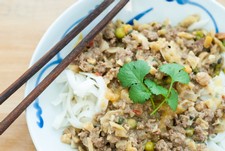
145	87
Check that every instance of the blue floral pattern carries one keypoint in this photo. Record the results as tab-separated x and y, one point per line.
181	2
36	105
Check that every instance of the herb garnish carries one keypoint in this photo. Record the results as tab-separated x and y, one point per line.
141	89
132	75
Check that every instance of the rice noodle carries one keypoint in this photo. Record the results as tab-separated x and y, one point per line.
82	96
217	142
198	25
213	93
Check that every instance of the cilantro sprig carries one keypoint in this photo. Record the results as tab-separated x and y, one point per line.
132	76
141	89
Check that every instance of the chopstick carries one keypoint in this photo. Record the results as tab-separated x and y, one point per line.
53	51
59	68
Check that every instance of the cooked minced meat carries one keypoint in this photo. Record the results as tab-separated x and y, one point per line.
126	126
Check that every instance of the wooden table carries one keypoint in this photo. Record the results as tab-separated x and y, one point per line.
22	24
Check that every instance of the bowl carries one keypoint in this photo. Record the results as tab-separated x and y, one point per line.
40	114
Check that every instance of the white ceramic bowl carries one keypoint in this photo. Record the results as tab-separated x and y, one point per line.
41	113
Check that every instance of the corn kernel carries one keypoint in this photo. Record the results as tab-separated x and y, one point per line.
187	68
208	41
127	28
155	46
113	97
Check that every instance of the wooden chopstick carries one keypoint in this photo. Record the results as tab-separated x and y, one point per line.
59	68
53	51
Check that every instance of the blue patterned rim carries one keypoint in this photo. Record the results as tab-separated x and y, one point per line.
36	105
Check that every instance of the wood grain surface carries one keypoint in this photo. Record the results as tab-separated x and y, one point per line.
22	24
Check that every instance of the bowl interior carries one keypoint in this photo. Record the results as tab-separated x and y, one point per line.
41	113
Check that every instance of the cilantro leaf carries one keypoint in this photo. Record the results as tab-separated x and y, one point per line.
156	89
132	76
182	77
173	100
176	72
139	93
133	73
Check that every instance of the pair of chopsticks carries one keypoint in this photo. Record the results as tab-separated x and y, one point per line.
11	117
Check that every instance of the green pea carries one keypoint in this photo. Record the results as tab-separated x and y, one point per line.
128	59
217	69
199	35
120	120
132	123
189	132
223	42
149	146
120	32
195	71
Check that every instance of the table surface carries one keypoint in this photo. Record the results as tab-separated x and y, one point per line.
22	24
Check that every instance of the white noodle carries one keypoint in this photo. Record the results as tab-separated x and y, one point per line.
198	25
214	147
82	97
217	142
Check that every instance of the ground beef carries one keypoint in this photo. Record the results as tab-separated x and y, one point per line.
162	145
98	141
208	115
152	36
167	129
109	31
200	134
184	121
195	46
178	139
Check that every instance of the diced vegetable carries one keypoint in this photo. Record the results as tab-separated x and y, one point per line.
218	67
195	70
149	146
137	112
120	120
127	28
187	69
132	123
123	30
167	80
199	35
120	32
223	42
208	41
189	132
